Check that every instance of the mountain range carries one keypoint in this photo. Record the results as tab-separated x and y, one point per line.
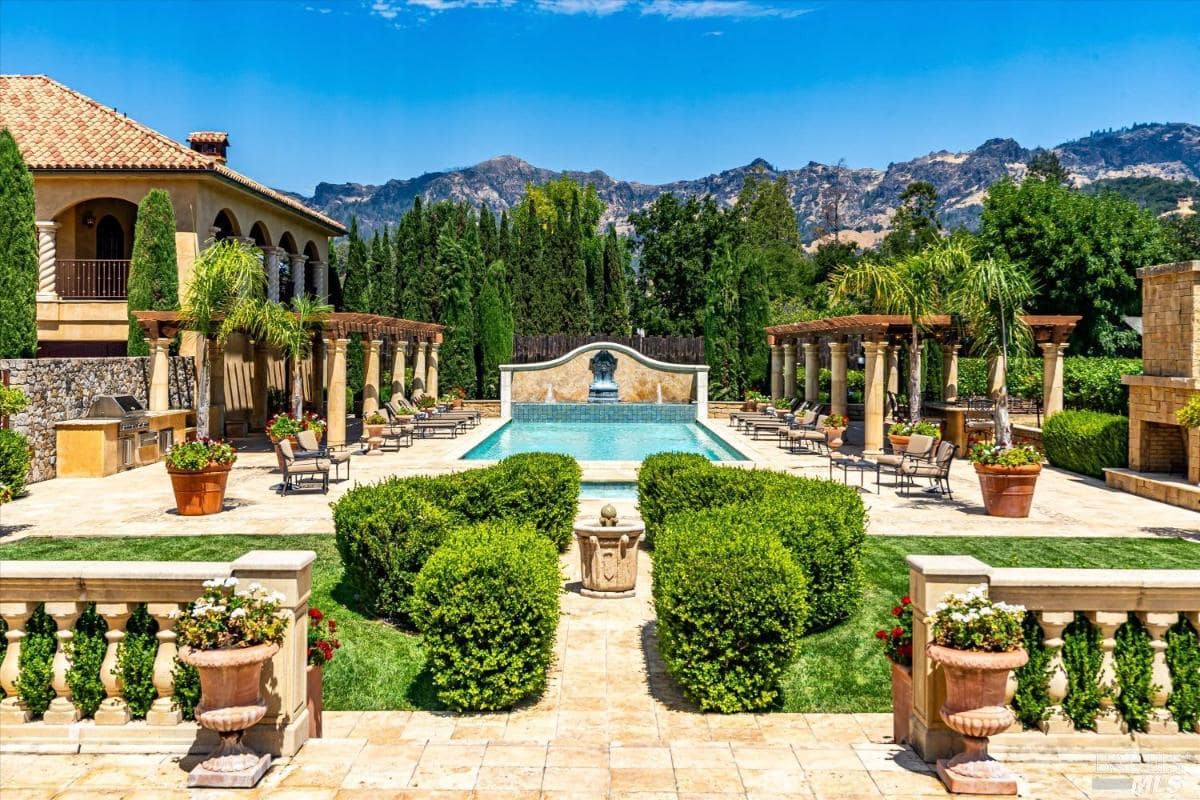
866	197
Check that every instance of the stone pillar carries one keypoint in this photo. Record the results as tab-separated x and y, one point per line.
950	373
318	372
160	368
789	370
422	347
891	367
271	263
320	271
1053	624
399	365
1052	377
431	371
297	262
62	711
812	371
837	383
1107	622
216	389
114	710
336	432
776	371
995	376
258	384
1157	623
47	235
371	376
701	393
13	710
162	710
876	355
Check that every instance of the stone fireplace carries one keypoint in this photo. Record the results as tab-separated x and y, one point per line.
1164	457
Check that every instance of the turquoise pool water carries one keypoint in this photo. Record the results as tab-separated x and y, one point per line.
603	441
614	490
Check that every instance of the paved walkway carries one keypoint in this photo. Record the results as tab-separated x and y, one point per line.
610	726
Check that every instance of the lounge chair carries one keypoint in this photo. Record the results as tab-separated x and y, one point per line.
805	420
298	471
936	470
920	446
432	426
397	404
800	439
311	448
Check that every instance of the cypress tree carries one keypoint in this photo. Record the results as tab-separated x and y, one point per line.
356	288
575	302
613	300
153	272
495	328
18	254
528	259
488	236
457	314
335	279
753	315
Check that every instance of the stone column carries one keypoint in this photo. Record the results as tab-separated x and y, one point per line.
1052	377
399	358
62	711
876	355
812	371
995	376
216	389
1157	623
837	383
162	710
422	347
47	235
13	710
891	368
297	262
336	432
114	710
320	271
1053	623
1107	622
431	371
160	368
271	263
950	373
789	370
318	372
258	384
371	376
776	371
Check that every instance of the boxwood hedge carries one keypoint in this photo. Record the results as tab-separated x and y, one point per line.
1086	441
1092	383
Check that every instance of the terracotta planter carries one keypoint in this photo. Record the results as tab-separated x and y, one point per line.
199	493
834	437
457	403
289	439
901	702
749	406
1007	491
374	439
230	704
976	687
316	701
899	443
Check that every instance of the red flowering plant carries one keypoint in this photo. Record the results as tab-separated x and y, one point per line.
897	640
321	638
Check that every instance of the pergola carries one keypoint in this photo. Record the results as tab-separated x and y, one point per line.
328	363
882	337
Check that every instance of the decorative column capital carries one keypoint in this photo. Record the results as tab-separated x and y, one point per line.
271	251
47	225
1053	349
874	348
336	344
297	259
789	347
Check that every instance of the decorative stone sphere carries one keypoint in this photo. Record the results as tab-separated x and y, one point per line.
608	515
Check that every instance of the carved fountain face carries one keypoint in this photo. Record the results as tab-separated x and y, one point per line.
603	388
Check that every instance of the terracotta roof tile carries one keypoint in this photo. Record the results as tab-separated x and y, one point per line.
58	128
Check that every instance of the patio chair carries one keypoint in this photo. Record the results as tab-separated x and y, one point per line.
803	420
919	447
311	448
800	439
299	471
978	421
936	471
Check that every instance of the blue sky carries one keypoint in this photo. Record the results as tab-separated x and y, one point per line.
650	90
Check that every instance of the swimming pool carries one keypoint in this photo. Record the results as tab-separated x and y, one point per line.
603	441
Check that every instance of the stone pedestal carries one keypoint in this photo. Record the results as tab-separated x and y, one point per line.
608	555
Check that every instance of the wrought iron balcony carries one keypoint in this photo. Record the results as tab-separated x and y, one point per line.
92	278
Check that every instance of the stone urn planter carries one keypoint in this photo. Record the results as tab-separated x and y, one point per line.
374	439
316	700
230	704
901	702
899	443
199	492
833	436
608	555
1007	491
749	406
976	685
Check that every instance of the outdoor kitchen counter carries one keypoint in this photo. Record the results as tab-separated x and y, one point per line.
89	448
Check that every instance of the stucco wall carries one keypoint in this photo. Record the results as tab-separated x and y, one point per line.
636	382
63	388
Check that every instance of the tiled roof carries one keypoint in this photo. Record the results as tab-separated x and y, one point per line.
208	136
57	128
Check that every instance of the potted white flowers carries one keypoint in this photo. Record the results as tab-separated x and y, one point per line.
977	642
228	635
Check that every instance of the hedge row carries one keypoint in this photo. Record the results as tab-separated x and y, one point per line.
1088	383
1086	441
14	461
386	531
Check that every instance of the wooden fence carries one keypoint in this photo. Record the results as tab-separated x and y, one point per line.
672	349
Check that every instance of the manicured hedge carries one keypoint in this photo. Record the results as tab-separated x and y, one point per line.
14	461
386	531
1090	383
730	601
1086	441
487	605
822	523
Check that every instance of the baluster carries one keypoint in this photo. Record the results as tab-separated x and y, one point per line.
1053	623
113	709
62	711
1109	719
12	709
162	710
1194	618
1157	623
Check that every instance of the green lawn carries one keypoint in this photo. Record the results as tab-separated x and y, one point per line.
840	670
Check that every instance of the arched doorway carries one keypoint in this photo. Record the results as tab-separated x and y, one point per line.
225	225
93	244
110	238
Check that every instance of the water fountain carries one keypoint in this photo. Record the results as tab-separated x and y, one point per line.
659	398
549	393
603	388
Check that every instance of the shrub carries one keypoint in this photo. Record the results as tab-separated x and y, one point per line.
1086	441
662	488
187	688
135	662
730	601
18	254
1183	659
86	652
487	605
1082	660
1032	698
34	666
153	283
14	461
1133	662
1095	383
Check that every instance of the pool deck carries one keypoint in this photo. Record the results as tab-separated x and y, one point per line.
139	502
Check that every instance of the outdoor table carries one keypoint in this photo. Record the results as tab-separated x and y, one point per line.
856	463
955	428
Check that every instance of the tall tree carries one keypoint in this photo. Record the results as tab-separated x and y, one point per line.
489	239
915	225
495	328
613	304
18	254
457	365
1044	164
527	272
357	287
153	283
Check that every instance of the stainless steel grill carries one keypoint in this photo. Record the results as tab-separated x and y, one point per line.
123	407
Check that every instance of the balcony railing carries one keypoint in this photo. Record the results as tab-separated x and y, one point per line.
92	278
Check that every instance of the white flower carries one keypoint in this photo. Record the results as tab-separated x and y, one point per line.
174	614
256	588
200	611
214	583
276	598
237	612
218	609
230	582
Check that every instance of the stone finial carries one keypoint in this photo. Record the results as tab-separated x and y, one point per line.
608	516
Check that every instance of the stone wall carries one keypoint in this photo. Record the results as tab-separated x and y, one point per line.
569	382
63	388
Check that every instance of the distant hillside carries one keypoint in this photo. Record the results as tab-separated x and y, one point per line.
1156	195
1167	152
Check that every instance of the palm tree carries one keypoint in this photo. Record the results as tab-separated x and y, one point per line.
227	289
989	297
917	286
291	330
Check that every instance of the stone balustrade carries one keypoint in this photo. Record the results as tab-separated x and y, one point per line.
118	588
1106	599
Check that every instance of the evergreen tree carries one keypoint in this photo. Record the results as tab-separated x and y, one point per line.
489	240
18	254
153	283
914	225
1045	165
356	290
335	276
613	304
495	328
528	265
457	366
753	315
722	351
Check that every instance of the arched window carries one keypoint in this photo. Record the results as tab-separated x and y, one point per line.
110	238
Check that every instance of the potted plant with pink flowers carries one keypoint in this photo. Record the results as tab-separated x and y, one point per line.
897	646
